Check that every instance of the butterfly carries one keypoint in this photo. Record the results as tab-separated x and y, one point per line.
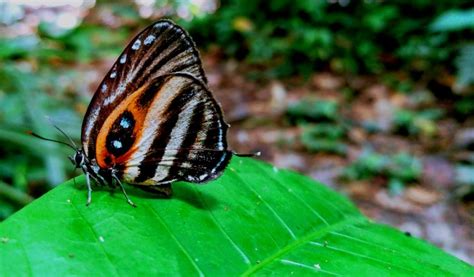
153	119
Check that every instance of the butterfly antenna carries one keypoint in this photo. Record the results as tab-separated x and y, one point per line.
53	140
256	154
62	132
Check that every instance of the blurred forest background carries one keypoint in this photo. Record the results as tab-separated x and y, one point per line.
372	98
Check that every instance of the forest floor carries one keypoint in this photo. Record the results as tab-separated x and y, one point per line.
428	207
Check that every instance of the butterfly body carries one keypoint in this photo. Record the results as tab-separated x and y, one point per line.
153	120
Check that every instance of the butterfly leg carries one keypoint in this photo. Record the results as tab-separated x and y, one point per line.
124	192
89	190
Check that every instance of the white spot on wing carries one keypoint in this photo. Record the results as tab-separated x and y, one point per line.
220	145
103	88
136	45
117	144
124	123
160	24
113	74
218	164
149	39
123	59
122	87
203	176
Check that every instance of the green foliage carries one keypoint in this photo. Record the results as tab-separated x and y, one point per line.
80	44
454	20
255	219
16	47
465	65
324	137
24	105
417	122
398	169
465	181
465	106
458	21
32	89
465	175
302	36
308	110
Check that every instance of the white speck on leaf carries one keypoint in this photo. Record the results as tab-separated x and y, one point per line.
317	266
101	239
69	200
275	169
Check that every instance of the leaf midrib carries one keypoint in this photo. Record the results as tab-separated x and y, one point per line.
305	239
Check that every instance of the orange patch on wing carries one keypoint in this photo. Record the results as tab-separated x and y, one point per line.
139	112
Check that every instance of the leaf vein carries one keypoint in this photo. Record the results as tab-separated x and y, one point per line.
275	214
181	247
96	237
358	255
293	263
226	235
298	198
305	239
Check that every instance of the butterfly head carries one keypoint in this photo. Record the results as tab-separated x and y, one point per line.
78	159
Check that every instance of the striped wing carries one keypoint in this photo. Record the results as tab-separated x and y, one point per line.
160	49
170	129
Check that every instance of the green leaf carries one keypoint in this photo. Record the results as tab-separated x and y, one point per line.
255	219
18	46
454	20
465	66
313	110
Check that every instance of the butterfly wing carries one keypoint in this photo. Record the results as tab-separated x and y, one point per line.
160	49
170	129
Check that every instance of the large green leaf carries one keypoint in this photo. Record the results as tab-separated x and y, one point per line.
254	219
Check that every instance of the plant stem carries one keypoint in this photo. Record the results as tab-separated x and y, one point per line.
14	194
